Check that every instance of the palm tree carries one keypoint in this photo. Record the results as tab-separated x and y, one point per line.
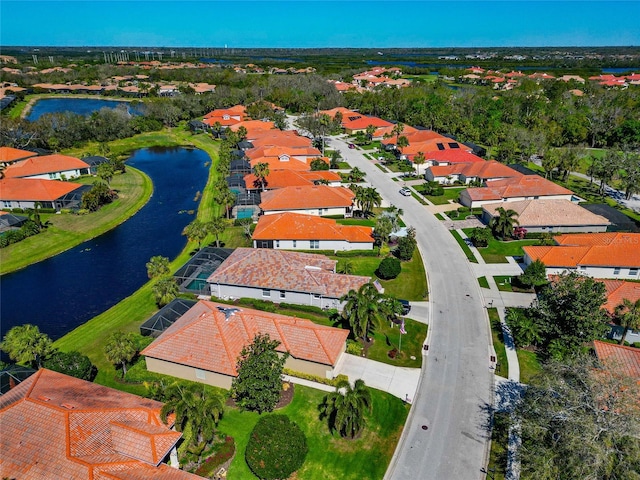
390	308
242	133
397	131
157	266
362	309
356	175
627	314
196	414
345	266
217	129
394	214
27	345
165	290
345	408
196	231
502	225
261	172
120	349
370	131
402	142
216	227
225	197
418	160
370	198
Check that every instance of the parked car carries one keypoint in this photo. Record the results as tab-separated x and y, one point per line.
352	146
405	191
406	306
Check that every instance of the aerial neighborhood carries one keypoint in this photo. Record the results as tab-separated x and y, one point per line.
327	269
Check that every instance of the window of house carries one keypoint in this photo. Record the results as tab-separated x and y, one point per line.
266	292
316	295
314	244
6	204
616	271
582	267
295	243
277	243
283	294
200	374
633	272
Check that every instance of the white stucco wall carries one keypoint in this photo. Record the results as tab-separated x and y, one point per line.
324	245
67	174
312	211
298	298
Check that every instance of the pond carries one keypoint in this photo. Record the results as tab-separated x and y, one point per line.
65	291
81	106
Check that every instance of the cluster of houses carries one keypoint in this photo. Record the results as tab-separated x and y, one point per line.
507	81
371	79
29	178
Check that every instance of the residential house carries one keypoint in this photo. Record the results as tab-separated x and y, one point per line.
598	255
48	167
94	161
428	146
254	127
284	153
360	124
412	136
225	116
204	344
280	138
57	426
345	112
475	171
292	178
291	231
617	290
514	189
10	155
310	200
558	216
625	360
24	193
282	276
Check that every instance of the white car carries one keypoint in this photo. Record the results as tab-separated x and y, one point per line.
405	191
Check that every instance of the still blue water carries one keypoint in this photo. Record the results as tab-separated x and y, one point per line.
65	291
81	106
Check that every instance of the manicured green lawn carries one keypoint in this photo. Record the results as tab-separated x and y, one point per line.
365	222
330	457
502	368
499	447
504	283
450	193
465	248
529	365
387	338
483	282
68	230
496	250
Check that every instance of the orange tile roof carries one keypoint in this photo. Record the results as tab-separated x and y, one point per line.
283	270
286	138
45	164
619	357
278	150
519	186
254	127
346	113
204	338
56	426
571	256
305	197
617	290
37	190
549	212
608	238
275	163
8	154
363	122
416	136
488	170
291	178
295	226
452	156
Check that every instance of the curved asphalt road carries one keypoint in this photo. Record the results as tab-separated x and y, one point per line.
456	382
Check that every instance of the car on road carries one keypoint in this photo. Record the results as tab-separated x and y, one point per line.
405	191
352	146
406	306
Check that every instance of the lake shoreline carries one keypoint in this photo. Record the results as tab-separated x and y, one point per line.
35	98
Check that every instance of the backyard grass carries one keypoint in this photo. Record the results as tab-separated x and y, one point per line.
68	230
529	365
504	283
502	367
365	222
496	250
329	457
483	282
450	193
465	248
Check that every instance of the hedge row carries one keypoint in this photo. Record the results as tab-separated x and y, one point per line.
315	378
356	253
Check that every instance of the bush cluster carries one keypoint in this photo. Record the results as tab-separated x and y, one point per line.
315	378
276	448
29	229
389	268
357	253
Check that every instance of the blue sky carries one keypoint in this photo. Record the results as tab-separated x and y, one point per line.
306	23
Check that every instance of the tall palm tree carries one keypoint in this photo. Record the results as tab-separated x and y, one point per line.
120	349
196	414
196	231
356	175
345	408
627	314
402	142
216	227
370	131
370	198
418	160
362	309
502	225
165	290
27	345
157	266
261	172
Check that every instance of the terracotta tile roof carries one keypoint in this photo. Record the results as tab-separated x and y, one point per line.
56	426
617	290
519	186
346	113
284	163
609	238
254	127
279	150
382	131
549	212
294	226
287	138
28	189
571	256
305	197
363	122
8	154
204	338
283	270
415	137
45	164
619	357
452	156
436	144
291	178
489	170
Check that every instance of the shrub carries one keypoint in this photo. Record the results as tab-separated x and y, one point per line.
354	347
74	364
276	448
304	308
635	344
315	378
222	453
389	268
480	236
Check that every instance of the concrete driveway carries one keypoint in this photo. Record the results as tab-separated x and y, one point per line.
398	381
